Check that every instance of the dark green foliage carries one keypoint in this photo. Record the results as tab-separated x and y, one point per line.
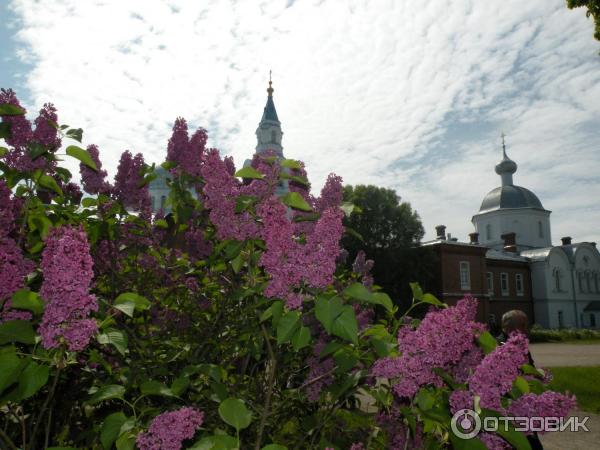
593	9
391	232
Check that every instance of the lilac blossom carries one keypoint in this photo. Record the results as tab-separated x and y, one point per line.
128	183
546	404
7	210
495	375
221	190
45	132
94	181
168	430
67	268
441	340
13	270
20	127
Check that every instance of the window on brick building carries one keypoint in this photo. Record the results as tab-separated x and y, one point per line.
465	275
504	283
556	275
488	232
519	283
592	320
561	320
490	282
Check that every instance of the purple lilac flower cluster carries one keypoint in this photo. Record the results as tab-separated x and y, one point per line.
13	269
441	340
495	375
22	134
94	181
221	190
185	152
168	430
67	267
320	373
287	261
128	183
7	210
362	267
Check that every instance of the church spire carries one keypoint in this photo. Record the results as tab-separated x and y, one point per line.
507	167
268	133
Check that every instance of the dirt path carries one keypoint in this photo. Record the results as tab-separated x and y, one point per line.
556	355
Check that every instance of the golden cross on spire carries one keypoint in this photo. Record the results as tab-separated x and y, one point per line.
270	89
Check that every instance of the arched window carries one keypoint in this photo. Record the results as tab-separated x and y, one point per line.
163	200
488	232
556	275
540	229
273	136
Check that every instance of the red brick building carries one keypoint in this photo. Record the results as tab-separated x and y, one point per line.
501	280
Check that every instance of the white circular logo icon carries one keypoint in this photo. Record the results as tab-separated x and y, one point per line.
465	424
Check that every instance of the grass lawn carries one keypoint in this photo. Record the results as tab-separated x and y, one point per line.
584	382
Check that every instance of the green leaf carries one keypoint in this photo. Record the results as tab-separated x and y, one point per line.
234	412
216	442
381	298
31	301
89	202
111	429
274	447
296	201
11	367
106	393
126	442
36	150
130	301
432	300
487	342
237	263
327	310
301	338
348	208
416	291
358	291
275	311
522	385
48	182
249	172
345	325
180	385
64	174
3	151
16	331
290	164
115	337
287	326
154	387
31	380
244	202
6	109
75	133
82	155
5	130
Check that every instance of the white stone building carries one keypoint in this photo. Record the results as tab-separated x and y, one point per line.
565	278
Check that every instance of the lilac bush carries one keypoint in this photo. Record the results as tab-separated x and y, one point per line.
230	322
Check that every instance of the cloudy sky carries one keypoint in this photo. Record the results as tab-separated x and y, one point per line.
404	94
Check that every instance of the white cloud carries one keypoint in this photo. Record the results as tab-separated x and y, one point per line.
409	95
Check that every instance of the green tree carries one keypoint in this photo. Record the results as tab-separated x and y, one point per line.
391	232
593	9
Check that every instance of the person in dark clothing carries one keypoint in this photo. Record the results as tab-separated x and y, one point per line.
516	320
